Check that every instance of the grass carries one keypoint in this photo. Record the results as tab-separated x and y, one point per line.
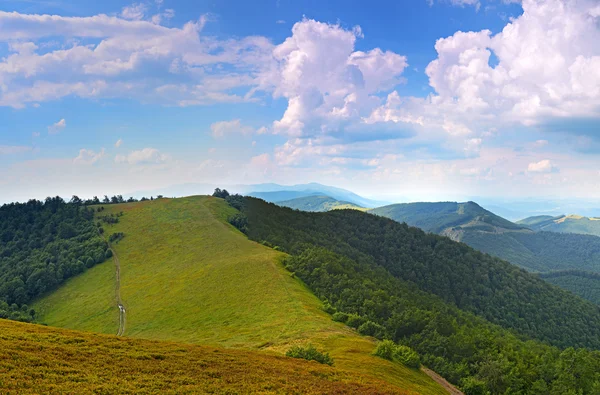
189	276
36	359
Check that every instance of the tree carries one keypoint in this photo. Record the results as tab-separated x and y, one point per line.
223	194
76	200
106	200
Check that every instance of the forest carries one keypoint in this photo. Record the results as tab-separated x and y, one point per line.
42	244
584	284
482	323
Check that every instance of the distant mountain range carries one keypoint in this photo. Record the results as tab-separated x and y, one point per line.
564	224
318	204
490	233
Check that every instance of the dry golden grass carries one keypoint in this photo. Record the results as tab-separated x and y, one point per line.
35	359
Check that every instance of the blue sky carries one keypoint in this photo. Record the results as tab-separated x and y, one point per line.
114	97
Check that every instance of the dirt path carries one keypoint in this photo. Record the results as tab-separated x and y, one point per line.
442	381
122	311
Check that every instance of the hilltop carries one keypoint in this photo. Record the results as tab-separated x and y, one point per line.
563	224
318	204
187	275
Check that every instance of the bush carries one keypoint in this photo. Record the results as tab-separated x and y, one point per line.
340	317
328	308
370	328
407	356
355	320
310	353
389	350
385	350
240	221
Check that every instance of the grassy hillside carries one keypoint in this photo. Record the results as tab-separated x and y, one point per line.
564	224
36	359
189	276
437	217
318	204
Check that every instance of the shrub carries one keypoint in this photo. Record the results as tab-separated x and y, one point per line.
370	328
240	221
340	317
385	350
355	320
389	350
310	353
328	308
407	356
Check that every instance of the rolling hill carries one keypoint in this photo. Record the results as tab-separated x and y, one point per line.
564	224
35	359
489	233
188	276
318	204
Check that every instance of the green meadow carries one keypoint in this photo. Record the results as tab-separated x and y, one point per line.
189	276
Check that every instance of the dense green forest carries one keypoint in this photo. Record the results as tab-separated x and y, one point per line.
540	251
584	284
432	294
41	245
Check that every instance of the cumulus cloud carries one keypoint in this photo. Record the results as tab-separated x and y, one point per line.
224	128
143	156
57	127
88	157
135	12
325	81
543	166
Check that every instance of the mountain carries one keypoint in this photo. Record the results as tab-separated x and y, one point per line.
489	233
317	204
564	224
440	217
466	313
46	360
276	193
187	275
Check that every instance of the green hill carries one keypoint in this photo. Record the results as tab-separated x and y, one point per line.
492	234
39	360
470	316
187	275
318	204
564	224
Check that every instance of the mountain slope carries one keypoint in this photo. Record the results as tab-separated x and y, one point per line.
564	224
437	217
423	290
189	276
584	284
489	233
41	360
318	204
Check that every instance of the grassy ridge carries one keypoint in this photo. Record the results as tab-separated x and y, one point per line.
189	276
35	359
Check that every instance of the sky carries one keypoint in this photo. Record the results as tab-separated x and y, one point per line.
397	100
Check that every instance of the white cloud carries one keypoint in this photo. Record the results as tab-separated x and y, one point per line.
326	82
88	157
543	166
224	128
57	127
143	156
135	12
280	21
118	143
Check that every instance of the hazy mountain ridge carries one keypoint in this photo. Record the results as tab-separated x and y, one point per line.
564	224
318	203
